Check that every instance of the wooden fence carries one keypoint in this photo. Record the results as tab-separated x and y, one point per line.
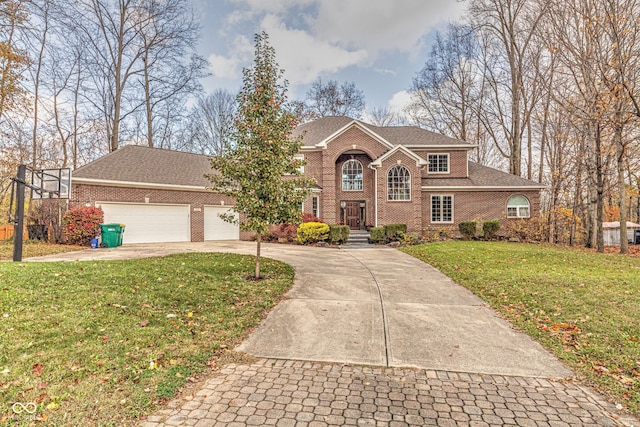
6	232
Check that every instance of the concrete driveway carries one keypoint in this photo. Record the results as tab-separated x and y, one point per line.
374	306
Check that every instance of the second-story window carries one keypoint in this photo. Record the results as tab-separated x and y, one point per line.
352	175
438	163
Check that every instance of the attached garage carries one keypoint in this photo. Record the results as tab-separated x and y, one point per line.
215	228
149	223
160	195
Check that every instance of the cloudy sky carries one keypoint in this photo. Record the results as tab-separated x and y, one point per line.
378	44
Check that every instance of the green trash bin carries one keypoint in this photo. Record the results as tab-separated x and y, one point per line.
112	234
120	234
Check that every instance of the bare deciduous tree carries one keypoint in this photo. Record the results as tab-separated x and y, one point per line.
211	121
334	99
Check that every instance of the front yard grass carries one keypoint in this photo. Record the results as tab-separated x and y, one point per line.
582	306
32	248
103	343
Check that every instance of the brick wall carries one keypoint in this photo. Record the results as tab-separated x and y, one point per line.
400	211
354	140
457	163
83	194
476	205
313	168
368	187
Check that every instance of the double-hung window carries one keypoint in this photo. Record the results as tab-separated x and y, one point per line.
438	163
315	209
442	208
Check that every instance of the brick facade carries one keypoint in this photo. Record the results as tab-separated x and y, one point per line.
479	193
83	195
325	165
475	205
457	163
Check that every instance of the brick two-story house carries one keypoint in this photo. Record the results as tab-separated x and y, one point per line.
365	176
369	176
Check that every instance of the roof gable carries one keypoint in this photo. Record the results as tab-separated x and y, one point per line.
329	130
419	160
318	133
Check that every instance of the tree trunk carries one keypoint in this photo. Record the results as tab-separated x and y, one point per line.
147	101
258	241
36	83
622	194
599	190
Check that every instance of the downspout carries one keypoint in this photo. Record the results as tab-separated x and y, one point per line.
375	195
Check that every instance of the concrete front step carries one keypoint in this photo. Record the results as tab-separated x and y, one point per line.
358	238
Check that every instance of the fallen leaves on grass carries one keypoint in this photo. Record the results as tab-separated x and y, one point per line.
567	332
37	369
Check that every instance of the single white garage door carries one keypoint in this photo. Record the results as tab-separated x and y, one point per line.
215	228
149	223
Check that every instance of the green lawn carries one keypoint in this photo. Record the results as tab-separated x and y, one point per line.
103	343
583	306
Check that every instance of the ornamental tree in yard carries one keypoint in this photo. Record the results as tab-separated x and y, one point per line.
259	169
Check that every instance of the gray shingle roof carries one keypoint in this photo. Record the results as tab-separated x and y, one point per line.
136	163
482	176
318	130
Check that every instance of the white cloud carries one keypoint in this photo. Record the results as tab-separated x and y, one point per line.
231	67
314	36
399	101
380	25
273	6
304	57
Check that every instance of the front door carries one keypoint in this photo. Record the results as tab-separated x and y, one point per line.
352	215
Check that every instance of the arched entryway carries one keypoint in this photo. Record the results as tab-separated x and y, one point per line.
355	188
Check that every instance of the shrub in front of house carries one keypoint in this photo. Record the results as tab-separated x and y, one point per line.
339	233
526	229
284	233
395	232
309	217
490	229
312	232
376	234
80	224
468	229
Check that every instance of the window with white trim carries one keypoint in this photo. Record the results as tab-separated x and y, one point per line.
438	163
398	183
299	157
352	175
315	210
442	208
518	207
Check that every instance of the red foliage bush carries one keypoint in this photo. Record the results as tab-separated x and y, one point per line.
309	217
80	224
284	231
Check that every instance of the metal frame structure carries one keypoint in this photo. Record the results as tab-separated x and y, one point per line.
49	185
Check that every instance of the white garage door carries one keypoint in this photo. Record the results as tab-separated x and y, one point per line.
149	223
215	228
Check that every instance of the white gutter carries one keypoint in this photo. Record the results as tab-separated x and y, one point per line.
429	147
481	188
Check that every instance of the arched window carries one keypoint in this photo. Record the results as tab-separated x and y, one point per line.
518	207
398	184
352	175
